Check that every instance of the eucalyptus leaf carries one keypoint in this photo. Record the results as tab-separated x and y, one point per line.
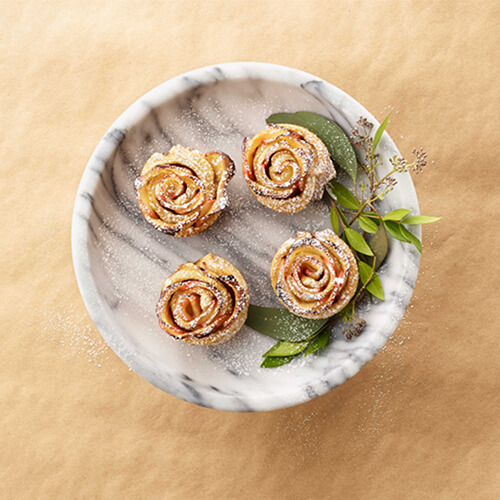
379	132
320	341
420	219
281	324
380	245
282	118
367	224
396	214
411	238
374	284
333	137
342	195
334	219
283	348
274	362
357	241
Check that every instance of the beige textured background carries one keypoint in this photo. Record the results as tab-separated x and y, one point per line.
420	421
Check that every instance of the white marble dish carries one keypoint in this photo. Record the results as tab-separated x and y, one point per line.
121	261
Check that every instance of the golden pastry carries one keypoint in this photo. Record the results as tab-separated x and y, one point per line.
183	192
203	303
314	275
286	167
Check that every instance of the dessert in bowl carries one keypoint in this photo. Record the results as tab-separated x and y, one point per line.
121	261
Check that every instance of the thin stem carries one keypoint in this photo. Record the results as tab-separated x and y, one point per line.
356	190
359	212
364	215
358	145
341	219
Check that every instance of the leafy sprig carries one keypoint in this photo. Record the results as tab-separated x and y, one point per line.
354	215
298	335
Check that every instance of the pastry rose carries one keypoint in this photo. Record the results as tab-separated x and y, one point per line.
203	303
183	192
314	275
286	167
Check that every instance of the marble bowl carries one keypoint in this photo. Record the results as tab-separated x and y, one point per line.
121	261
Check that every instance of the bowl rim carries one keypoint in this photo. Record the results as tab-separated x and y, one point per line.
136	112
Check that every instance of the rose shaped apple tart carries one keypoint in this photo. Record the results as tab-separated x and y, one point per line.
203	303
286	167
314	275
183	192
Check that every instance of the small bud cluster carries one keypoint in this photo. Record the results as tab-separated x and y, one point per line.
421	160
355	330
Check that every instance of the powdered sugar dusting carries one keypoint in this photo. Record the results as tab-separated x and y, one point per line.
75	336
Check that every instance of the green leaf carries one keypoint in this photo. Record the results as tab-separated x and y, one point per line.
380	245
357	242
396	214
281	324
320	341
365	272
379	132
375	288
411	238
374	285
283	348
394	230
344	219
332	136
274	362
420	219
367	224
334	220
281	118
342	195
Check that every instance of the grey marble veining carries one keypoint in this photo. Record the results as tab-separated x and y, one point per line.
121	261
